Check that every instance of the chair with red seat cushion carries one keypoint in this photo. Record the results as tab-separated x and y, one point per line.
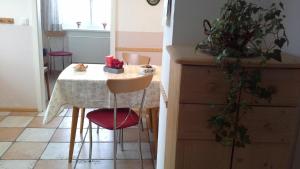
60	52
120	118
126	117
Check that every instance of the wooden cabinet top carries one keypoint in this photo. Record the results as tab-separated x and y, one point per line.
186	55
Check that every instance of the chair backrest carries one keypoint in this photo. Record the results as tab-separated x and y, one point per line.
129	85
135	59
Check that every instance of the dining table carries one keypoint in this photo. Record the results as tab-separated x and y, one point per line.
88	89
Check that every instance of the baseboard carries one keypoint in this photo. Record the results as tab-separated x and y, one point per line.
4	109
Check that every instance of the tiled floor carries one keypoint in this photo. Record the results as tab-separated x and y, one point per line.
25	143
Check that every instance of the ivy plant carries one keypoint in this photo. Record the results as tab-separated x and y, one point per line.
244	30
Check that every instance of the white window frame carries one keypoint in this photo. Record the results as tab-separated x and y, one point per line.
90	20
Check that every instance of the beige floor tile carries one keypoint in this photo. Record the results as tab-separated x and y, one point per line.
15	121
131	135
64	112
67	121
23	113
2	117
17	164
3	147
108	164
4	113
36	135
10	134
63	135
59	151
69	113
37	122
54	164
104	135
105	151
24	151
41	114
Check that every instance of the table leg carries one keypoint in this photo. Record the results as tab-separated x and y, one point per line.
73	132
154	114
82	119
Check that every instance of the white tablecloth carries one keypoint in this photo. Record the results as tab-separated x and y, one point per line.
88	90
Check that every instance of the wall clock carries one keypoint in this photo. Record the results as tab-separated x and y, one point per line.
153	2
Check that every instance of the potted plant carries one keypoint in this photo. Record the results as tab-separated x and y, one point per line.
244	30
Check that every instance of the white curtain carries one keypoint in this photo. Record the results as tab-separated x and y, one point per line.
50	12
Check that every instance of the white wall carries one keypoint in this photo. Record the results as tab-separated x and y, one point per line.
188	18
293	26
20	84
139	25
17	9
139	16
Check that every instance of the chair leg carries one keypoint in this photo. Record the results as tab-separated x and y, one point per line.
91	141
142	126
82	119
97	129
122	139
115	149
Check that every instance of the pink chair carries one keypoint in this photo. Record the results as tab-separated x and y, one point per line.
58	53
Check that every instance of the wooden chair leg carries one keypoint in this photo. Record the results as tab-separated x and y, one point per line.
82	119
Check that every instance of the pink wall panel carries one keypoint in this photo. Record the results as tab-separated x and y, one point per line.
141	40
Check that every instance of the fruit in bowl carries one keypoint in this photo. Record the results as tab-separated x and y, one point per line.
117	64
146	66
113	65
147	69
80	67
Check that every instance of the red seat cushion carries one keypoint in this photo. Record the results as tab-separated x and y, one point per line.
60	53
105	118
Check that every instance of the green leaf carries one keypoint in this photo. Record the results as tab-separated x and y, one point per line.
280	42
277	55
281	5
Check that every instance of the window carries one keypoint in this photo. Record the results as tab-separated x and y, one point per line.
91	13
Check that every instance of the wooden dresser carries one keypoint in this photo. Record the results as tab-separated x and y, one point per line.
196	84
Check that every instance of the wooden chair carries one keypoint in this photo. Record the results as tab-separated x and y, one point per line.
135	59
57	53
120	118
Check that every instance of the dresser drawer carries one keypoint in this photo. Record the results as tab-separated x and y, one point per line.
286	83
263	156
197	154
265	124
205	85
272	124
193	122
